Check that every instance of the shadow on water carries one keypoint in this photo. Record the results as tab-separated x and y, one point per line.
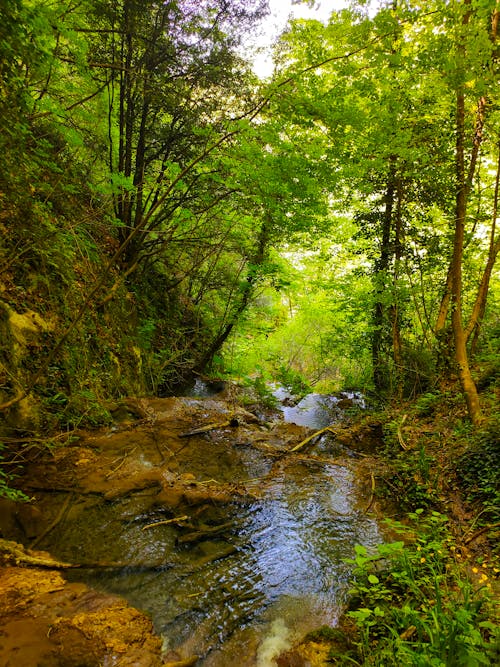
238	597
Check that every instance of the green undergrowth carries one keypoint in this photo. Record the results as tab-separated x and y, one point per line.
413	603
431	452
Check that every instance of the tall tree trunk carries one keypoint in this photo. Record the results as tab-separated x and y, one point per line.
246	293
381	378
464	184
460	339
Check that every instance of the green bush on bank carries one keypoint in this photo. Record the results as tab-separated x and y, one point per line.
412	604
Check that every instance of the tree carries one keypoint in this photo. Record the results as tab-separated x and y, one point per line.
173	75
395	96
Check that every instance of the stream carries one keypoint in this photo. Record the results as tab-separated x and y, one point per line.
275	571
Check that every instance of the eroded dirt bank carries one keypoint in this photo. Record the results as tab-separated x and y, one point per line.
149	455
48	622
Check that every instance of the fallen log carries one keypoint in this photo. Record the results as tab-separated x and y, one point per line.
233	422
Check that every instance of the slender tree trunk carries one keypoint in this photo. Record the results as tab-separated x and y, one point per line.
247	291
444	306
397	344
479	309
126	115
460	339
381	378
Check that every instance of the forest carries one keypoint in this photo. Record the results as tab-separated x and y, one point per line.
167	215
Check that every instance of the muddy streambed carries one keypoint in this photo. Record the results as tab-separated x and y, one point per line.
198	513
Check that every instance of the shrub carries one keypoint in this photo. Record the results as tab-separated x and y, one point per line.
411	606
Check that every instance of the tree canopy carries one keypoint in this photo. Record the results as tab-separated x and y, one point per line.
144	163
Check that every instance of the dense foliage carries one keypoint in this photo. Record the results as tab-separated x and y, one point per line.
162	209
398	114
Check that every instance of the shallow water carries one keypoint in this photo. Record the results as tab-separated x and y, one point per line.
238	598
316	410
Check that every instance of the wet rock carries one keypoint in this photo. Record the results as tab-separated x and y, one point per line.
30	518
306	654
364	436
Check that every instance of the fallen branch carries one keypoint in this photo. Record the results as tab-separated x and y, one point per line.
177	519
210	427
482	530
311	437
373	493
136	567
12	551
61	489
202	533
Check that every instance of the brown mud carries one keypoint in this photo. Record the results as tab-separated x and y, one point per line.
48	622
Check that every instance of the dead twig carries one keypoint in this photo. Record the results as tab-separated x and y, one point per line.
400	434
205	429
122	461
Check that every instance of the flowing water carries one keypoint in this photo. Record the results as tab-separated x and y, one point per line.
316	410
239	597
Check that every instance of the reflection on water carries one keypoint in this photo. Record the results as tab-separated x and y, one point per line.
317	410
238	598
